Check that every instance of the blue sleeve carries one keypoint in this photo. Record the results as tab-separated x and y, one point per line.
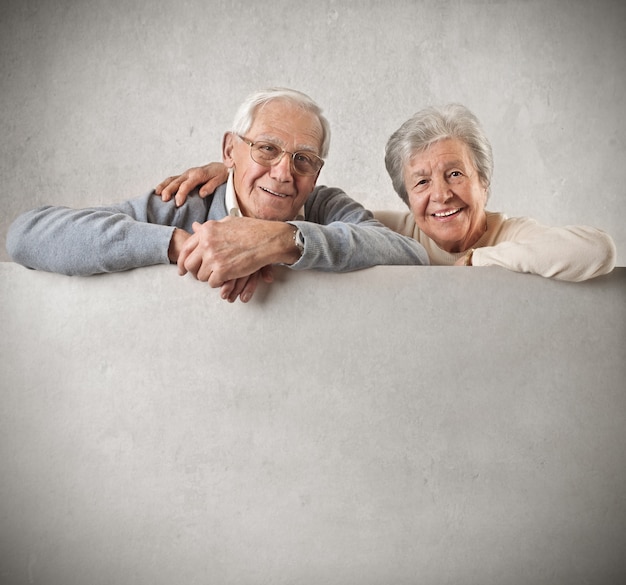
129	235
340	235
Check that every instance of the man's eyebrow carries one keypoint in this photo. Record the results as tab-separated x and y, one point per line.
269	138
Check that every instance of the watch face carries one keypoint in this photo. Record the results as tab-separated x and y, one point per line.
298	238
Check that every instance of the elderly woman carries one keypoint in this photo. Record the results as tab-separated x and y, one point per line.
441	164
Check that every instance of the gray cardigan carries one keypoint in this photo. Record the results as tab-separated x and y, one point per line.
340	234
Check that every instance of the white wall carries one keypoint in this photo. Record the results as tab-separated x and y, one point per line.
103	99
395	425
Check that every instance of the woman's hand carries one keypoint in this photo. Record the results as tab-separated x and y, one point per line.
466	259
210	176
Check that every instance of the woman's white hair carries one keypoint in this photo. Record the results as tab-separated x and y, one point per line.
244	118
431	125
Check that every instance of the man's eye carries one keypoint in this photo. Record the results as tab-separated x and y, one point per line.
269	149
304	158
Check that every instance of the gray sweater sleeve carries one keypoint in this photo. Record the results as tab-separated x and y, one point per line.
340	235
100	239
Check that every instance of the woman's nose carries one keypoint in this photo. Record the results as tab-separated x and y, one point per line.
440	190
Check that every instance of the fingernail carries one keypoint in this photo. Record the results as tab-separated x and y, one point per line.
245	297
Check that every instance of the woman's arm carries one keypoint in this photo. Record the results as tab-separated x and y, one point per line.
572	253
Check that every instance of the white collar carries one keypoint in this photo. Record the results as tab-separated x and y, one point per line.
232	205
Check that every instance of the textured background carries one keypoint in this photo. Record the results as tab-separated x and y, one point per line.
469	430
103	99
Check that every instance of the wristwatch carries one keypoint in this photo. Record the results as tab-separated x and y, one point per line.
298	240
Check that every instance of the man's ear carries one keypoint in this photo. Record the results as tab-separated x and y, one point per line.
228	143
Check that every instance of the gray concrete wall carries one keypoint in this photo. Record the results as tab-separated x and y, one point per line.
394	425
101	99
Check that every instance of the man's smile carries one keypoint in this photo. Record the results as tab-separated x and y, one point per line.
274	193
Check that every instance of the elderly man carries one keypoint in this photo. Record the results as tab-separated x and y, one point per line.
268	211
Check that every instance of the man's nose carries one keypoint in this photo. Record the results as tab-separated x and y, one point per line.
281	170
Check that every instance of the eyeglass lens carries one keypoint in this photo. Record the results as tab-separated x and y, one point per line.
266	153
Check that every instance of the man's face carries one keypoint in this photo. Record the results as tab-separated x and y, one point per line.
275	192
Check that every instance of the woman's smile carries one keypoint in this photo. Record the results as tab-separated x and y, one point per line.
446	195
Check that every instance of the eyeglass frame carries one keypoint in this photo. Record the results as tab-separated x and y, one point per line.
283	152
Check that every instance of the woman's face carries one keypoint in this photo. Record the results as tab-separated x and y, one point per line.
446	195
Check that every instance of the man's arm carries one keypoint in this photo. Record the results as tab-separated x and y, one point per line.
100	239
361	243
234	248
340	235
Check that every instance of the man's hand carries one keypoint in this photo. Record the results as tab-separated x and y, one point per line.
179	237
244	287
210	176
241	287
227	253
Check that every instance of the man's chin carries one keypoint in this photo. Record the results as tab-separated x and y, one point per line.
274	214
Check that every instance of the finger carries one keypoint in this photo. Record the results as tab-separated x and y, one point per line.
183	192
187	249
197	269
215	279
243	288
181	263
164	183
210	186
204	272
267	273
196	263
227	289
212	175
168	191
248	290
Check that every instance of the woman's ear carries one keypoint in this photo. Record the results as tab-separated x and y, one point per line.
485	186
228	144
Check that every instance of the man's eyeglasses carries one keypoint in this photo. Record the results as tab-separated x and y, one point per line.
268	154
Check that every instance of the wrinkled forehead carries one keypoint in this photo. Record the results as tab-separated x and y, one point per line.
287	123
442	154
